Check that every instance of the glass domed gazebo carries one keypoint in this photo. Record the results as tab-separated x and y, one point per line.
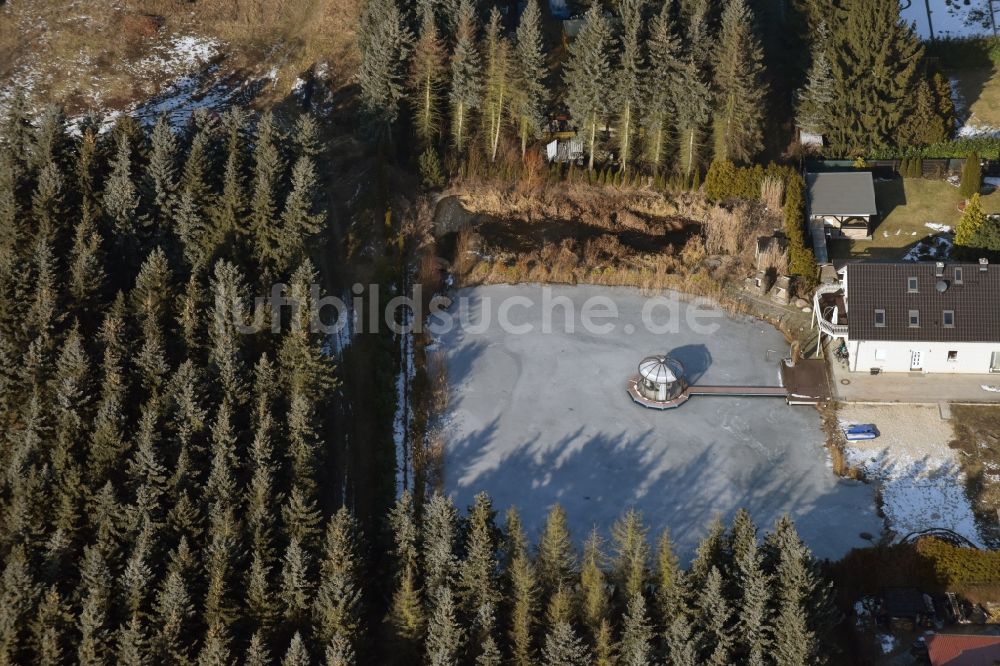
662	378
660	383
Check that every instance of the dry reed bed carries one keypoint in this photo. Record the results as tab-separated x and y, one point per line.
614	209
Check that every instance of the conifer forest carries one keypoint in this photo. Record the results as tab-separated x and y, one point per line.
185	476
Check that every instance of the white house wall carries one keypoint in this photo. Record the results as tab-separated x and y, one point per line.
972	357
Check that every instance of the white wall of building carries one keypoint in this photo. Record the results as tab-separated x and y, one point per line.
935	357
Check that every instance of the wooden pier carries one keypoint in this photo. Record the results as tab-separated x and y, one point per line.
731	391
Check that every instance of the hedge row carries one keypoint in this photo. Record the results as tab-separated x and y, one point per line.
726	180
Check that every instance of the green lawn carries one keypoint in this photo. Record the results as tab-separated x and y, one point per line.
907	207
981	90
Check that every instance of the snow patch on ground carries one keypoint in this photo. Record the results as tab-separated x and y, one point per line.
942	228
887	642
922	486
179	54
931	248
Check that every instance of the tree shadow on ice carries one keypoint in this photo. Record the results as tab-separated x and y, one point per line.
696	359
596	477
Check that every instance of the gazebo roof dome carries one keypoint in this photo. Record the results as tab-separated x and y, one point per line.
661	369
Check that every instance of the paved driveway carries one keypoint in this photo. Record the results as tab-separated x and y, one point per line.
540	418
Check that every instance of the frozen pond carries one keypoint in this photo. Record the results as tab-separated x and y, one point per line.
957	19
543	417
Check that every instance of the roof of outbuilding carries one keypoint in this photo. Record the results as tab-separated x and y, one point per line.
841	193
963	650
975	302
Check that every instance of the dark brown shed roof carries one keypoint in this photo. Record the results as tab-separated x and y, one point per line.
974	300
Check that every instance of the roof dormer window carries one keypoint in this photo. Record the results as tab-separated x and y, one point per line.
958	275
911	285
948	319
880	319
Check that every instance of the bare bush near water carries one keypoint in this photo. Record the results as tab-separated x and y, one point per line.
773	258
772	192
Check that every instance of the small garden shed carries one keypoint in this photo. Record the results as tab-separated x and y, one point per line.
844	202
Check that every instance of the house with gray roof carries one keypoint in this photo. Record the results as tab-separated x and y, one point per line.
842	203
916	316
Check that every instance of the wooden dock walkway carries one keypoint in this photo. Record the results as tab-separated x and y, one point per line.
732	391
766	391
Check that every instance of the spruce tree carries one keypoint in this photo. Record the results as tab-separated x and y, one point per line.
586	74
438	535
215	650
926	125
669	587
713	620
682	649
385	43
636	648
444	634
336	608
121	199
815	99
524	600
530	96
477	572
594	600
564	648
339	653
631	553
466	76
230	208
406	615
296	590
752	586
300	218
661	83
741	91
86	269
556	559
692	101
630	73
427	74
267	170
793	640
257	652
297	654
161	172
496	82
873	88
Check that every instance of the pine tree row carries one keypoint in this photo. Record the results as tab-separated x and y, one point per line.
659	77
658	85
468	592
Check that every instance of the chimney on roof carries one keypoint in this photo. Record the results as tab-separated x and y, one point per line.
984	264
939	269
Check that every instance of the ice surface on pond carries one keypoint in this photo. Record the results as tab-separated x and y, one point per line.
537	419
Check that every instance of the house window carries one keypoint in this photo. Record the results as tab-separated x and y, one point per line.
958	275
914	318
911	285
949	319
880	319
881	354
952	356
